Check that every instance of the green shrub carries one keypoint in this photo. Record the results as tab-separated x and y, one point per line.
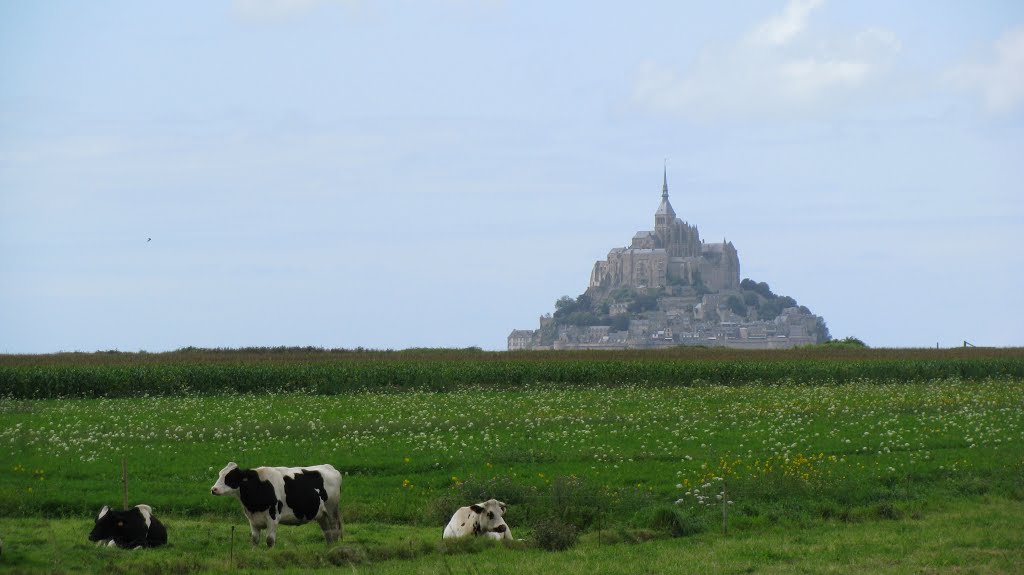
671	520
973	486
576	501
408	549
473	490
554	535
886	510
346	555
619	535
439	510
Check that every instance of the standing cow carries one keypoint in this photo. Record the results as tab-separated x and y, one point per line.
483	519
136	527
288	495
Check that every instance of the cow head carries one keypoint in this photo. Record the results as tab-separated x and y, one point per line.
117	525
229	480
490	516
102	525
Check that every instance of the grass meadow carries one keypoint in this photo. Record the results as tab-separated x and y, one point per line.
859	474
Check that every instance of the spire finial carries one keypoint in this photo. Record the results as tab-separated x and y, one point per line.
664	181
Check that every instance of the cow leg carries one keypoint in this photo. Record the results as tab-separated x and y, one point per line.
330	524
254	534
327	526
271	533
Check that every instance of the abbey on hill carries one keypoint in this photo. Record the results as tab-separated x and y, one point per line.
672	254
669	288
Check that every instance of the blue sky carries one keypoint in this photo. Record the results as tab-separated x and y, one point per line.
392	174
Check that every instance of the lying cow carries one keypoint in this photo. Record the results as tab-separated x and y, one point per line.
483	519
136	527
288	495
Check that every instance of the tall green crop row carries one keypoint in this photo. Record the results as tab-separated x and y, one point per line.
177	378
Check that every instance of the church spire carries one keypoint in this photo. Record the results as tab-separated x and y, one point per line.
665	209
664	182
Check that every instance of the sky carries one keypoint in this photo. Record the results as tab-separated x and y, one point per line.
435	173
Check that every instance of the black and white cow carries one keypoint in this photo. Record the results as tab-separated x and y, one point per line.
483	519
287	495
136	527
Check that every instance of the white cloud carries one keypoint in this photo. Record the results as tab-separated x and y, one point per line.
1000	80
770	70
782	28
808	77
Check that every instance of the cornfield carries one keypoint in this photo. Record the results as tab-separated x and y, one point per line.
330	372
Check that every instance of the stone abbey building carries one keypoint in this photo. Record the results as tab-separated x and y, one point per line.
669	287
671	254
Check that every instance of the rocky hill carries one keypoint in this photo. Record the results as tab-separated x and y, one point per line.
669	287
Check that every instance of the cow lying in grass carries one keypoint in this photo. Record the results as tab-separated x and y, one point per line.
136	527
482	519
287	495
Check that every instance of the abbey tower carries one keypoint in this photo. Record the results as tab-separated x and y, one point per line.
671	254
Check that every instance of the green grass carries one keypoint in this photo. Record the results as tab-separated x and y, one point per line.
973	535
811	468
785	450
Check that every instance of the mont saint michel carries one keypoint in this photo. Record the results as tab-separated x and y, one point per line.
669	287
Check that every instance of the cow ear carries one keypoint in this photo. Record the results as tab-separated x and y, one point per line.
103	512
476	508
502	505
232	465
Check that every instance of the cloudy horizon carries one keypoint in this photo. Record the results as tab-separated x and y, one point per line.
435	174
